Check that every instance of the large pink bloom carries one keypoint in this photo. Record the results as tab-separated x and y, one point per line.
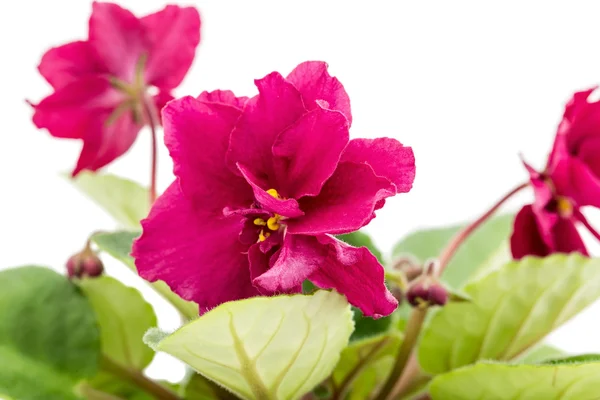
101	84
262	184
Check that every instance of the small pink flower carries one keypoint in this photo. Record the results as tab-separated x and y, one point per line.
101	84
261	186
549	225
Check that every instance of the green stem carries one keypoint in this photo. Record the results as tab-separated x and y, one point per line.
413	327
90	393
138	379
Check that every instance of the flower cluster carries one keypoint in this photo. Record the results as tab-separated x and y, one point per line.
570	181
262	185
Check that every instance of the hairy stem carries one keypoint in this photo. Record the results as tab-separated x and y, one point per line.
138	379
150	116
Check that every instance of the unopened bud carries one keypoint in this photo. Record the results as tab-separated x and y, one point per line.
427	292
84	263
409	266
397	293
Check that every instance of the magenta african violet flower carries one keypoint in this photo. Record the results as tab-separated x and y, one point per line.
101	84
261	186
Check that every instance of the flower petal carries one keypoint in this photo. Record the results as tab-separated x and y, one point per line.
314	83
286	207
355	273
107	139
65	64
346	202
277	106
69	111
198	256
526	238
567	238
300	256
197	136
173	34
388	158
226	97
161	99
307	153
118	39
575	180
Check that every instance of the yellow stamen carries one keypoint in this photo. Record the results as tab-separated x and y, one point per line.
259	222
273	223
273	193
263	236
563	205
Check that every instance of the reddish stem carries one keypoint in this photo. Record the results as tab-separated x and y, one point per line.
462	235
585	223
150	116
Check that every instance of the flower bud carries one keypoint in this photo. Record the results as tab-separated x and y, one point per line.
409	266
427	292
84	263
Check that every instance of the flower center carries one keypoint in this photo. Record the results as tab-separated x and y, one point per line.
564	207
271	224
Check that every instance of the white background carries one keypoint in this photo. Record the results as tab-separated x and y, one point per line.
468	85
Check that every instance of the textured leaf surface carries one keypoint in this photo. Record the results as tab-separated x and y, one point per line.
265	348
486	249
512	310
124	317
48	335
125	200
118	245
364	364
523	382
541	353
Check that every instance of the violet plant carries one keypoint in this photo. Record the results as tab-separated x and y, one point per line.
257	245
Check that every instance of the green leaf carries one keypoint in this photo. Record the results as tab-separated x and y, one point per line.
49	340
125	200
265	347
512	310
509	382
579	359
540	353
118	245
200	388
361	239
365	327
486	249
124	317
366	362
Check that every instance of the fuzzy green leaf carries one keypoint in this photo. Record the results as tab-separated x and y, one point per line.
275	348
512	310
124	317
125	200
49	339
486	249
525	382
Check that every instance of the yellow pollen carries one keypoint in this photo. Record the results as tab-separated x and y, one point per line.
273	223
263	236
564	207
273	193
259	222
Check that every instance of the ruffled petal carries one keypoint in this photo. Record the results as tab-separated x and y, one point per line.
197	136
64	64
345	204
526	238
277	106
173	34
286	207
313	81
573	179
300	256
117	38
71	110
226	97
588	154
388	158
355	273
198	256
308	152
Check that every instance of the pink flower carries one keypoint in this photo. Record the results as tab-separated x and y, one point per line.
574	163
101	85
261	186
